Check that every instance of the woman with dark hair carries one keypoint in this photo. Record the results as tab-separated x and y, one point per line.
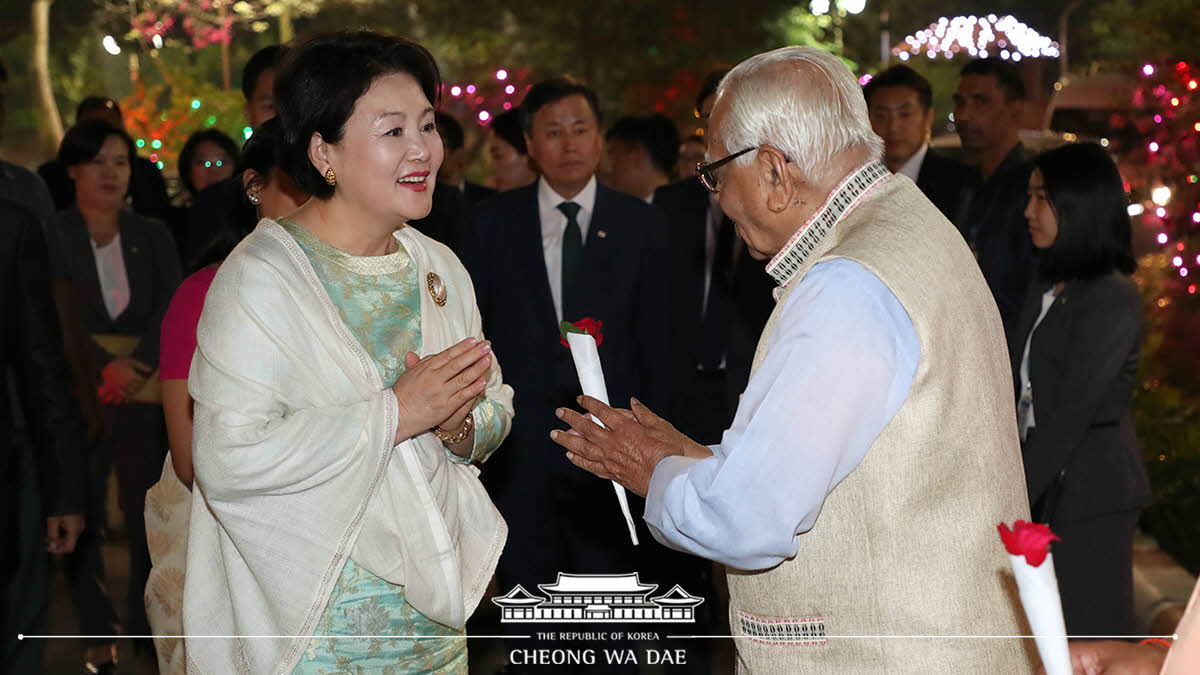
342	390
511	167
124	269
168	503
208	156
1075	361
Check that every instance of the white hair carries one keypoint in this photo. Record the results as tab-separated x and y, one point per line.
803	101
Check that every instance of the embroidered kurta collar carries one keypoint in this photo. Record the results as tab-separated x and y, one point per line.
841	201
372	266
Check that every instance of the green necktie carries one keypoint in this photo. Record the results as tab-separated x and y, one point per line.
572	249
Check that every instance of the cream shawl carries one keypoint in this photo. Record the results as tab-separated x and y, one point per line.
295	468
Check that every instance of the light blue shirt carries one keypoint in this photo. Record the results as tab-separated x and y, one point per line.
839	365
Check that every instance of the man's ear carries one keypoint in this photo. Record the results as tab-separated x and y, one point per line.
772	166
319	154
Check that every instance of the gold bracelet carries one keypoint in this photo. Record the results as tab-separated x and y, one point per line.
445	437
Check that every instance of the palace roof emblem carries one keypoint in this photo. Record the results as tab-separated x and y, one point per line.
598	598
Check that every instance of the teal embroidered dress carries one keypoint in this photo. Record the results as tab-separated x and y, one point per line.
379	299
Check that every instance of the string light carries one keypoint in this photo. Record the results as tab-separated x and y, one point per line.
1147	70
470	89
1162	238
1013	39
195	104
510	90
502	74
484	115
456	90
1161	195
1160	212
1153	146
1177	261
1183	271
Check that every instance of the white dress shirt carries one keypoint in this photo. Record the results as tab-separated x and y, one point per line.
114	282
1025	418
554	223
912	167
841	361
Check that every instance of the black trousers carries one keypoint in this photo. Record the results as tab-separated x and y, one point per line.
135	444
1094	566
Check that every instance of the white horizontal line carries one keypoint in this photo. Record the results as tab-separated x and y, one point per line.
814	637
21	636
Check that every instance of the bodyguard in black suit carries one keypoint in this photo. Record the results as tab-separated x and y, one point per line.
987	111
722	299
32	351
1075	362
566	247
900	102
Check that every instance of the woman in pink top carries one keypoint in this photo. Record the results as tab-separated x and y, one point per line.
168	503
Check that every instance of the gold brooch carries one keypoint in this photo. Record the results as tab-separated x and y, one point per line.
437	288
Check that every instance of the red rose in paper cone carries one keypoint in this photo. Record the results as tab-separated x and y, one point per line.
1028	539
585	325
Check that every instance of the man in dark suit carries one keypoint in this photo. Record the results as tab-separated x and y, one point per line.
722	298
642	151
566	248
987	112
33	353
900	103
454	166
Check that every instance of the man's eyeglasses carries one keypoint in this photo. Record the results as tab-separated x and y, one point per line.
706	171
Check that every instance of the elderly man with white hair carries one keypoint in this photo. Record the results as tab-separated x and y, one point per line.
856	496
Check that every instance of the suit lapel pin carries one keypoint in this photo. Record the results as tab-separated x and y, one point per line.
437	288
601	233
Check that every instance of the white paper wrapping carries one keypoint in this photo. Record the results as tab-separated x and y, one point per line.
591	379
1043	607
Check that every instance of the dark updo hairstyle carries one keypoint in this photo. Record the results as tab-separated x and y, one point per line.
261	150
83	142
507	125
188	153
1087	195
320	82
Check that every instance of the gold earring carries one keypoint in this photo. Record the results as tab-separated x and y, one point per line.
330	177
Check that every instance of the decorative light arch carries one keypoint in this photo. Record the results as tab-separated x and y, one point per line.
981	36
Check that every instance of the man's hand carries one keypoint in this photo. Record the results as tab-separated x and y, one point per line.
62	532
627	451
1111	657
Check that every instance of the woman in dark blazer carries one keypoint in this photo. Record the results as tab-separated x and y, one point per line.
1075	361
124	268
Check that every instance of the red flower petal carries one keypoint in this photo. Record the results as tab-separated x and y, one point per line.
1031	540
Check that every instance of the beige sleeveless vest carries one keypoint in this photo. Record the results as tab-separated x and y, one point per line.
906	545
